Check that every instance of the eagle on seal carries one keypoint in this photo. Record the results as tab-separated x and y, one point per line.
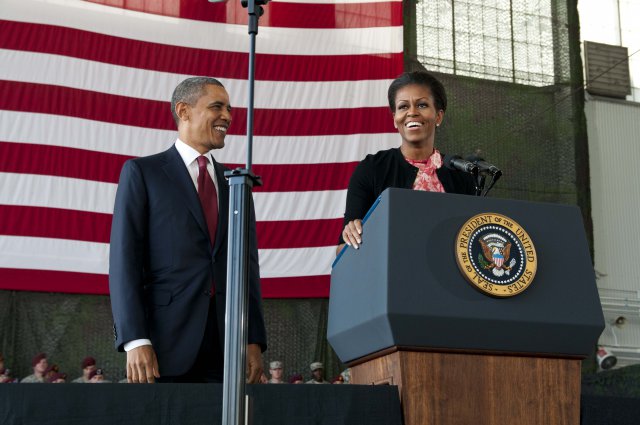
497	254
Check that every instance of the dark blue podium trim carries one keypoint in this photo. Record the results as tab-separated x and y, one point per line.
364	220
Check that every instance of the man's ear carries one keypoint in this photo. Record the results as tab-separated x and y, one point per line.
182	111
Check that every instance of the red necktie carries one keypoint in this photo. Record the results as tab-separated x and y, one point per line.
208	198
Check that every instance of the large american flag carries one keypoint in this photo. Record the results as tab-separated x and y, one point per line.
85	85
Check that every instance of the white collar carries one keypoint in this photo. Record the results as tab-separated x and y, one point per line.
189	154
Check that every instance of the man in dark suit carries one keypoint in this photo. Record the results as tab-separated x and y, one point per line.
168	258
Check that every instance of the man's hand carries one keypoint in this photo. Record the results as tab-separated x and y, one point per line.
142	365
254	363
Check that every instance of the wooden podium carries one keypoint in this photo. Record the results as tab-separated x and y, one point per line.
401	313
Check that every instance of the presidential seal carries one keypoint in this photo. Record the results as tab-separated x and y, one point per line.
496	255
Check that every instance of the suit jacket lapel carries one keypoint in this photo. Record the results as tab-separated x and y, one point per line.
177	172
223	206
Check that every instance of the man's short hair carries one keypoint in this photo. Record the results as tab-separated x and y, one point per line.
189	91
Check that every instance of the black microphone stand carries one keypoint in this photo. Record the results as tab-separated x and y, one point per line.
241	180
494	179
479	181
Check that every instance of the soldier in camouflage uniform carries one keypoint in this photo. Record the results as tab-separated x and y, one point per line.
275	369
40	365
88	365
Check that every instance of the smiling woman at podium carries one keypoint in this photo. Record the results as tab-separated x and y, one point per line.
418	103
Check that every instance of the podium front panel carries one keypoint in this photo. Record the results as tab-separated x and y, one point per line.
403	286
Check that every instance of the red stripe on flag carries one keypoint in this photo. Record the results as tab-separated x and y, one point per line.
105	167
60	161
88	283
87	45
298	234
302	177
291	15
58	100
296	287
54	281
57	223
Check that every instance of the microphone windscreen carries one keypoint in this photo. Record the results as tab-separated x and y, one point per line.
448	161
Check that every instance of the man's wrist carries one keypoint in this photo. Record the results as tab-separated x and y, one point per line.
136	343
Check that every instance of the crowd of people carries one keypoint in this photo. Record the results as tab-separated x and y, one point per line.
276	370
43	373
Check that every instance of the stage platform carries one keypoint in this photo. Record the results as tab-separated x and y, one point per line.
194	404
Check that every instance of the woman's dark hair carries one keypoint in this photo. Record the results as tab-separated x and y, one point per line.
419	78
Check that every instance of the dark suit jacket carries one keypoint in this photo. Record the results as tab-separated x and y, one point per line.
388	168
162	265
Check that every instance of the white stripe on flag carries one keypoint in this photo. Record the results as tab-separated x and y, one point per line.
21	252
285	206
58	130
204	35
54	254
132	82
79	133
57	192
85	195
296	262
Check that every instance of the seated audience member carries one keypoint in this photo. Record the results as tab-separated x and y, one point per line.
296	379
338	380
97	377
57	378
40	366
50	371
88	365
317	373
264	379
5	374
346	375
275	369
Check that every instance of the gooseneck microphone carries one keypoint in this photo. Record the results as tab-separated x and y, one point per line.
485	167
455	162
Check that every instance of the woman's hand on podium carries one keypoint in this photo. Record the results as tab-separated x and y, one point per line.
352	233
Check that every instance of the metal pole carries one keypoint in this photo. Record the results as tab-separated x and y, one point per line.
241	181
233	391
253	21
